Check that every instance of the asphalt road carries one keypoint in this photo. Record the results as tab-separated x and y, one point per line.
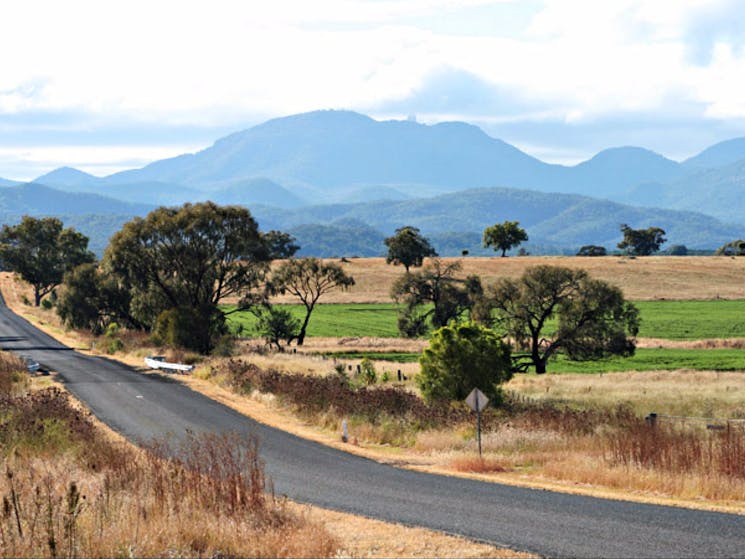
543	522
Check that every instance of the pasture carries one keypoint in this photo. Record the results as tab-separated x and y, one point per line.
641	279
669	320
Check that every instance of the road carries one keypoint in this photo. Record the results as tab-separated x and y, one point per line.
543	522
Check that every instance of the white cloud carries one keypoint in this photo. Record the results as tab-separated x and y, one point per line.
97	160
214	64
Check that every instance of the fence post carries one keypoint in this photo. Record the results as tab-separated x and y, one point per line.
651	420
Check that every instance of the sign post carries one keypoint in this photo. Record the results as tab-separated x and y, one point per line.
477	401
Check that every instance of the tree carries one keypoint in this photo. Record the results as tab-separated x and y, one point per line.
433	294
408	247
308	279
594	320
733	248
592	250
280	245
504	236
462	357
678	250
41	251
641	242
276	325
188	258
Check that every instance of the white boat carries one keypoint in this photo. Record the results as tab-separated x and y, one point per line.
159	362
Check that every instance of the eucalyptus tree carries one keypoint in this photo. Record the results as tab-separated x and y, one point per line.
41	251
308	279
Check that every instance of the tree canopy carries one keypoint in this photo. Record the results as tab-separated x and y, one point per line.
594	320
308	279
433	295
504	236
732	248
41	251
280	245
461	357
592	250
641	242
408	247
189	258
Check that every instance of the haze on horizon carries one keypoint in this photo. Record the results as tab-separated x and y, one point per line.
104	87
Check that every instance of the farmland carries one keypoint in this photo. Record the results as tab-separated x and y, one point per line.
688	362
668	320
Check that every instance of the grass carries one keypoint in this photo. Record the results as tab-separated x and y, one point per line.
671	320
692	320
71	491
334	320
658	359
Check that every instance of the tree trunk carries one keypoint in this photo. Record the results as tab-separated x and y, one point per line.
37	296
504	252
540	366
304	327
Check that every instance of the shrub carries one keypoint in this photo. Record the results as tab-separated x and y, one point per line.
463	357
368	373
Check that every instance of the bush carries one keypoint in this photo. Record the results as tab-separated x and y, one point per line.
463	357
367	372
190	328
592	250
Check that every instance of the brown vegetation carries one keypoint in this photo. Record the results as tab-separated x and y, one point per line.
68	491
643	278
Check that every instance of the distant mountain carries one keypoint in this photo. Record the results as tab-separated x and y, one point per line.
262	191
718	192
559	220
345	156
68	177
36	199
718	155
613	172
6	182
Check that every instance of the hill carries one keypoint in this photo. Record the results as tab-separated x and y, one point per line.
332	156
564	221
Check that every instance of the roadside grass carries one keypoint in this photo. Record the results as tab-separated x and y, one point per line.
678	393
71	491
564	437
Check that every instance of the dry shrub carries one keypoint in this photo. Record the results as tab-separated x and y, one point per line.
69	491
677	449
477	464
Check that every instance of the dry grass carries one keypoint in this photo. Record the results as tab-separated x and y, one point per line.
691	393
646	278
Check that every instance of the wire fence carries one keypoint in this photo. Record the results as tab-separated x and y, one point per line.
711	423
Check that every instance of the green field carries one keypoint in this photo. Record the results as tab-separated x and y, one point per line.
335	321
643	360
658	360
673	320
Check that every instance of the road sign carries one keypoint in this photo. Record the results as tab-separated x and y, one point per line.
477	400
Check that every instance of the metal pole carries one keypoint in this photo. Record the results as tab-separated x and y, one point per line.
478	415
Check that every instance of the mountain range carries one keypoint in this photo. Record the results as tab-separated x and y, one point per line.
340	167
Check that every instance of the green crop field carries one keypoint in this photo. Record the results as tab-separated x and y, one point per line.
692	320
643	360
658	360
335	321
673	320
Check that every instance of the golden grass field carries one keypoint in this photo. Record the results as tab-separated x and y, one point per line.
647	278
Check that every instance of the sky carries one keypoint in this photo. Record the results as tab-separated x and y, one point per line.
105	86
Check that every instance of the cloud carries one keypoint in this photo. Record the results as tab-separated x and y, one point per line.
452	91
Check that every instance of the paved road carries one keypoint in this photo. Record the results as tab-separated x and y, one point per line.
549	524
